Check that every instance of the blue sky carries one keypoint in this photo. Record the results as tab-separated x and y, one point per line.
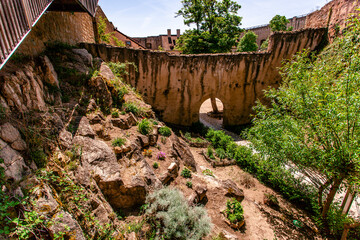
140	18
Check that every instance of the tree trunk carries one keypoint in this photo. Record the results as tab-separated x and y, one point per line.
321	191
330	197
214	106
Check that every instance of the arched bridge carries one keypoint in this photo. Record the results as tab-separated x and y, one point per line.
177	85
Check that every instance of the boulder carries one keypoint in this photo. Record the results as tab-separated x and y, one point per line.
144	140
45	202
50	76
120	123
67	225
85	129
92	106
9	133
19	145
65	139
232	190
86	57
95	118
14	164
183	152
101	91
106	72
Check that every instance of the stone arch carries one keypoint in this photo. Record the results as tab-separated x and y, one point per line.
206	107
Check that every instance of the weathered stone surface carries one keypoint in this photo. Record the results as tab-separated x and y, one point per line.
232	190
144	140
101	91
50	75
85	56
92	106
65	223
120	123
19	145
95	118
183	152
14	164
171	174
85	129
131	119
65	139
106	72
200	192
45	202
8	133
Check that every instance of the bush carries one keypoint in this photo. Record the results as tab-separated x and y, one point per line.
218	139
131	107
118	142
172	217
186	173
165	131
208	172
145	126
189	184
220	153
115	114
155	165
210	153
234	211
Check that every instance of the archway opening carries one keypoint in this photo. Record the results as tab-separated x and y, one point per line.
211	113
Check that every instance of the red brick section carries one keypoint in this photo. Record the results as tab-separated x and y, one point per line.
110	28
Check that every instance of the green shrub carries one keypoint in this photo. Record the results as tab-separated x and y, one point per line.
208	172
155	165
131	107
39	157
145	126
189	184
218	139
172	218
234	211
165	131
186	173
210	153
118	142
115	114
188	136
220	153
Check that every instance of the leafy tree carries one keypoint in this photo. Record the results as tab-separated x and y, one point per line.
264	46
279	23
312	122
248	42
217	26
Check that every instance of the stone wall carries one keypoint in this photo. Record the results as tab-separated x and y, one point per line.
337	10
176	86
71	28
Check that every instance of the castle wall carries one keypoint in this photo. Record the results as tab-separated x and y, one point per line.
176	86
71	28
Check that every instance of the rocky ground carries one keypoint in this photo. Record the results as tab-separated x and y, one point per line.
57	132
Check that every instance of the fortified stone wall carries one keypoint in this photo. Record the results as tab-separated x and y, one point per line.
71	28
176	86
337	10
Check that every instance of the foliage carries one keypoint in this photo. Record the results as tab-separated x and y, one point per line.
131	107
208	172
248	42
114	114
220	153
118	42
145	126
218	139
165	131
121	70
265	45
147	152
279	23
172	217
186	173
217	26
313	119
118	142
155	165
210	153
199	128
271	200
189	184
104	37
234	211
161	156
